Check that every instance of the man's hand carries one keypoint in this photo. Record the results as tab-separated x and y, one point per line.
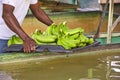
29	45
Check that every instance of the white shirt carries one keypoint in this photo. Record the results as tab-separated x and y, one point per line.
20	11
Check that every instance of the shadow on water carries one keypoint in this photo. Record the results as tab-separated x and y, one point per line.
91	67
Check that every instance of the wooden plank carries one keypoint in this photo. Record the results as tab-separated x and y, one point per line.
115	23
104	1
110	21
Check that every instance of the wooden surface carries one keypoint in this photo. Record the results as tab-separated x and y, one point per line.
104	1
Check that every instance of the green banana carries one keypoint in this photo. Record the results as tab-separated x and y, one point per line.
91	41
72	31
15	40
45	43
82	45
53	43
55	30
10	42
37	32
83	38
63	27
48	31
68	43
81	31
74	36
62	43
46	38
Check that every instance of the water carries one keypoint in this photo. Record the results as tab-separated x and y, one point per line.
92	67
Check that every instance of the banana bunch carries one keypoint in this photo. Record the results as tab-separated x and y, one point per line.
53	30
46	38
67	43
73	31
37	32
72	38
41	38
91	41
15	40
58	35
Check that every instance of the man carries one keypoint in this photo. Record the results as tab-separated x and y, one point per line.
12	13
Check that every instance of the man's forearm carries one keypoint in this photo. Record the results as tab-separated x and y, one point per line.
43	17
12	23
40	14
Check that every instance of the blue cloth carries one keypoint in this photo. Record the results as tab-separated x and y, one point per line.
3	45
89	4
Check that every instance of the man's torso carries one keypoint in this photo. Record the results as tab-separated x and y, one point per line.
20	11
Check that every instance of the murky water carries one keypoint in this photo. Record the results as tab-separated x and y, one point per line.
94	67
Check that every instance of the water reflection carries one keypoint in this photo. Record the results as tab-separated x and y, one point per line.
113	68
77	68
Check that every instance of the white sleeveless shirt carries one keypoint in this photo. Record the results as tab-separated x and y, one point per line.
20	11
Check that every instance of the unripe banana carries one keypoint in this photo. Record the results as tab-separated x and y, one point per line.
74	36
72	31
46	38
10	42
82	44
48	31
17	40
63	43
91	41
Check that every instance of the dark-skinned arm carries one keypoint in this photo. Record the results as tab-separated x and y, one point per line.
12	23
40	14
